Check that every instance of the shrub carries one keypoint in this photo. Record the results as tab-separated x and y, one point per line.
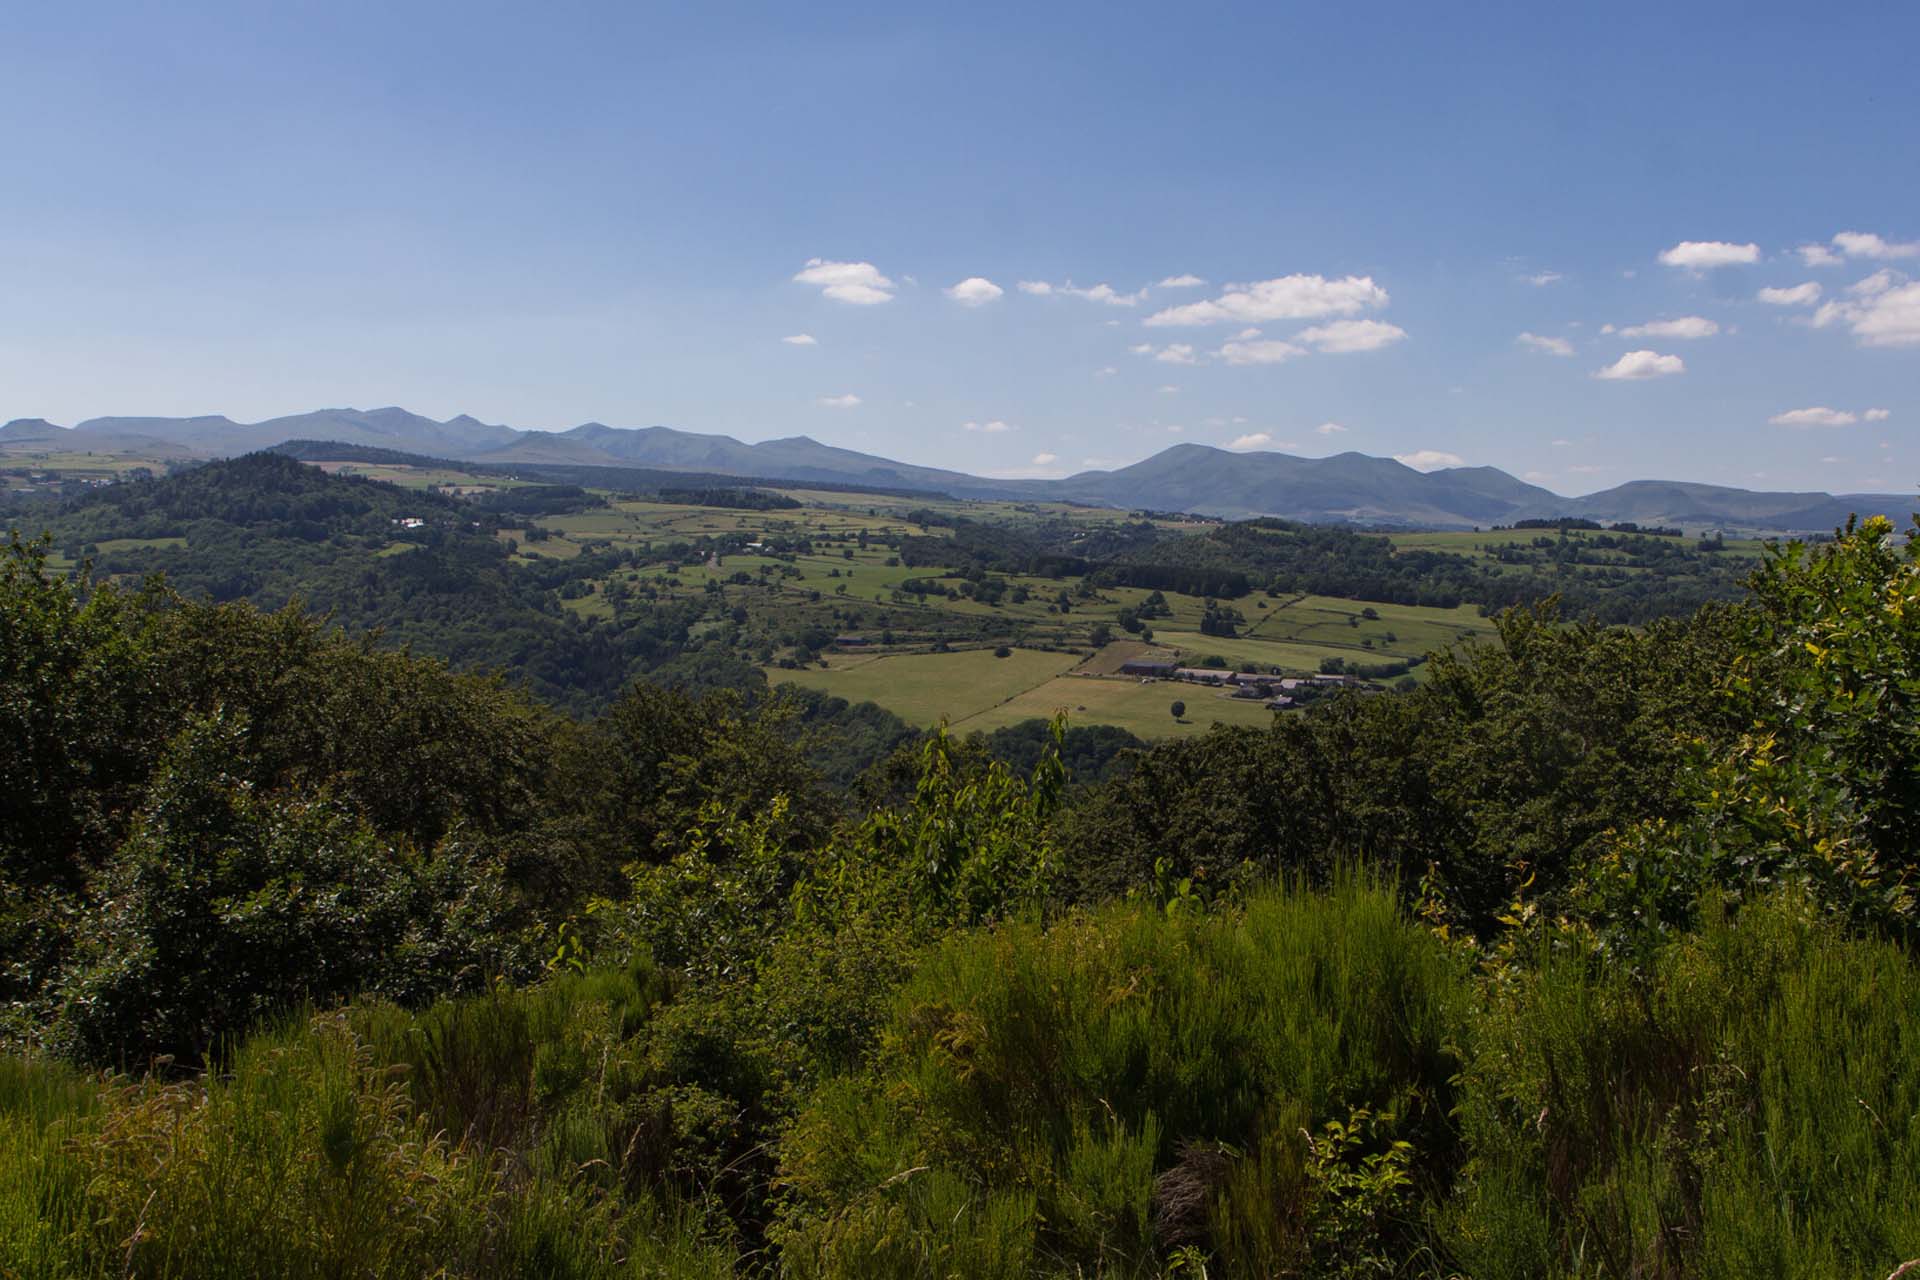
1143	1076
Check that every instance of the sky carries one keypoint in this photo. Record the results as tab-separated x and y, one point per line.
1022	240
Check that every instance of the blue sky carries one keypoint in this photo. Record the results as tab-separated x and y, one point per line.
544	215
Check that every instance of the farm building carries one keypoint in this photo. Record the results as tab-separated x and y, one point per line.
1158	670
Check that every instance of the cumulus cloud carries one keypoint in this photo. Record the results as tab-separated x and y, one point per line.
1266	351
1877	415
994	428
1817	416
1637	365
1176	353
859	283
1106	371
1541	279
1169	390
1684	327
1141	348
1246	335
1864	244
1818	255
1252	440
1330	429
1295	297
1703	255
1185	280
848	401
1885	312
1345	336
1879	282
1045	459
1799	295
974	291
801	340
1098	293
1551	346
1430	459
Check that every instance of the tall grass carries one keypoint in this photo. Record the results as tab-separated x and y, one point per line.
1141	1080
1747	1107
1309	1084
323	1150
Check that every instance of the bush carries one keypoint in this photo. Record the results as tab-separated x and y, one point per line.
1100	1092
1748	1104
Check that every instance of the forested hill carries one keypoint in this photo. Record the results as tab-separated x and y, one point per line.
425	570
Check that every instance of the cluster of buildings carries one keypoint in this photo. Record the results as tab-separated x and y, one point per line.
1279	690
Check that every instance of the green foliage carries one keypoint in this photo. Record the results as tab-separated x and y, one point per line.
224	905
1820	788
1746	1103
307	1157
1138	1075
1514	761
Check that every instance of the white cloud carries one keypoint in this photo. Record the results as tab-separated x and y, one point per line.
859	283
1864	244
1430	459
1176	353
1563	444
1252	440
1330	429
1185	280
1107	294
1877	415
1266	351
1879	282
994	428
1106	371
1552	346
1818	416
1541	279
801	340
1246	335
1701	255
848	401
1141	348
1098	293
974	291
1799	295
1345	336
1818	255
1176	428
1169	390
1045	459
1684	327
1537	477
1636	365
1295	297
1888	314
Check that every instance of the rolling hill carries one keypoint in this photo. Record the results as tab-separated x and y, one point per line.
1346	488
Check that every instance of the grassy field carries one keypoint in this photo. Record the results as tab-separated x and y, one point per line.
1141	708
924	688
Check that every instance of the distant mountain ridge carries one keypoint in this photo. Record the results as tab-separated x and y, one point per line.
1349	488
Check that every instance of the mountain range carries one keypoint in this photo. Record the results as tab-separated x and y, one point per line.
1344	488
